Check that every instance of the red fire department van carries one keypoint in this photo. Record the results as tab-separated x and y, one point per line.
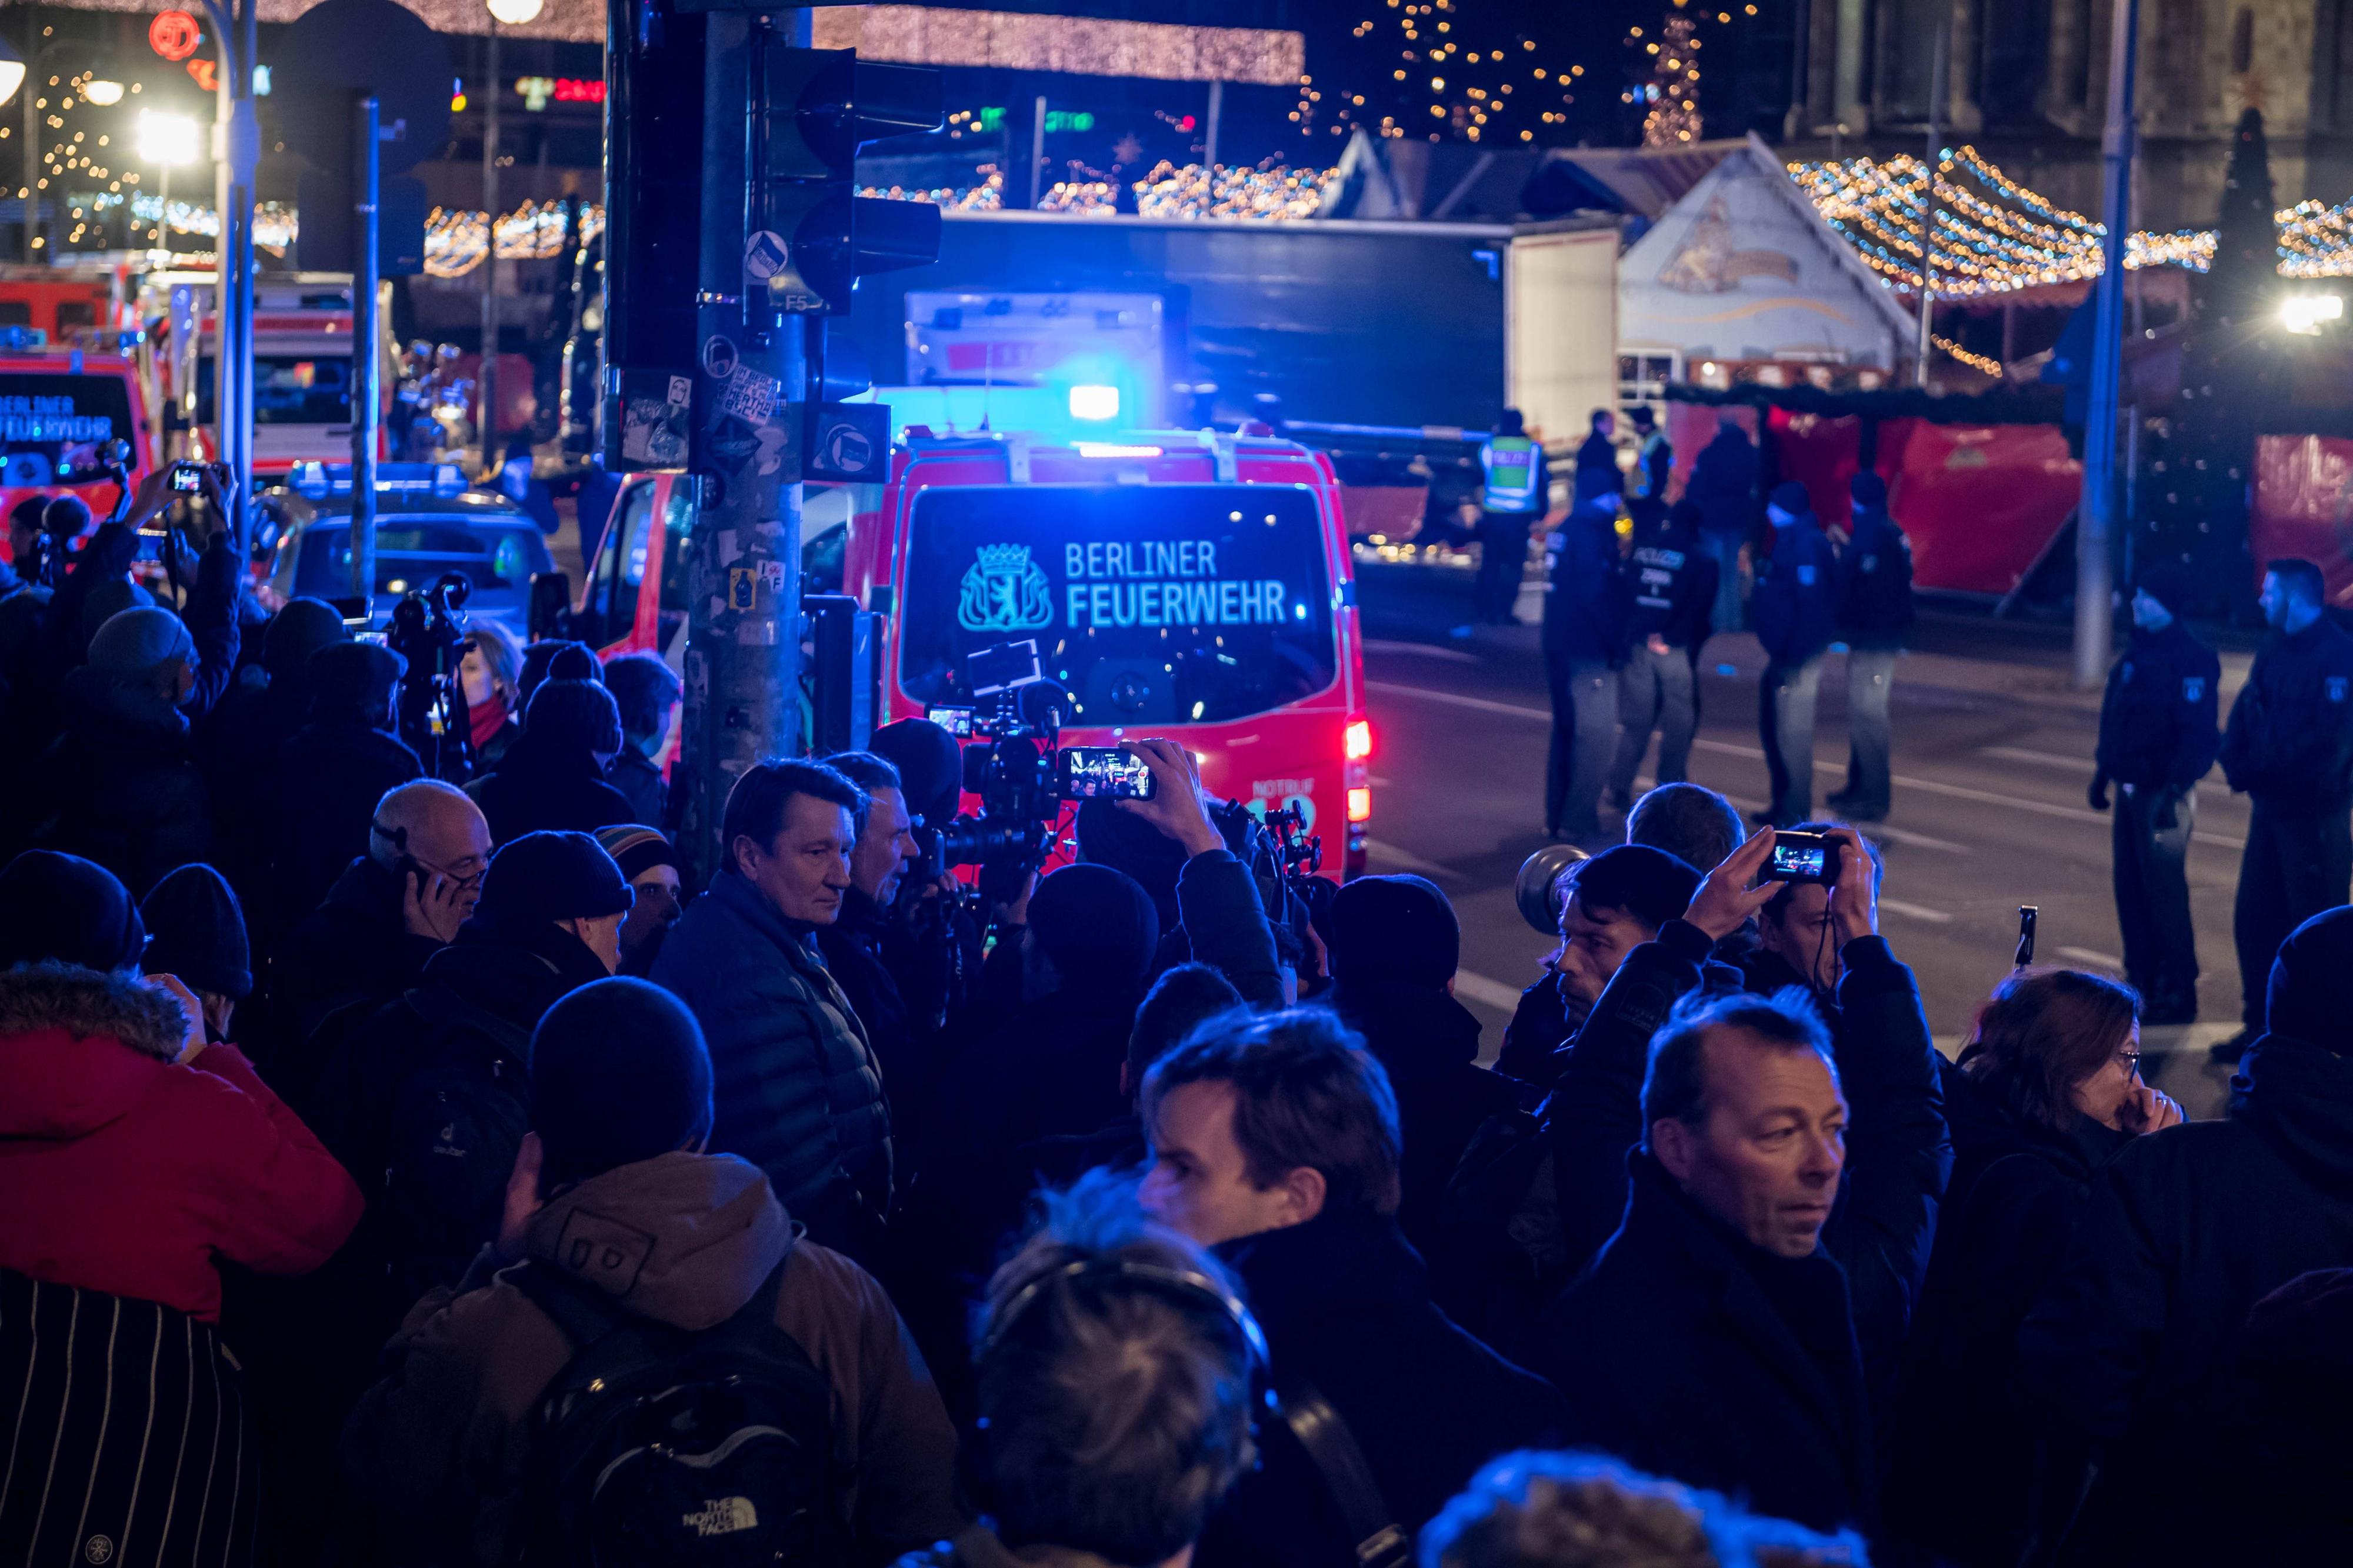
58	407
1189	583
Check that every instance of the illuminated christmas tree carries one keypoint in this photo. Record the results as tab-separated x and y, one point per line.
1672	90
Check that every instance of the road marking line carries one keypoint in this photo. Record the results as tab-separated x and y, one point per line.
2090	955
1422	649
1408	859
1470	987
1916	911
2082	766
1477	704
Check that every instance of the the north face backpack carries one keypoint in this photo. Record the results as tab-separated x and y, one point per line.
660	1448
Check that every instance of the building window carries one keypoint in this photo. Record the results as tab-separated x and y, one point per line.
2243	41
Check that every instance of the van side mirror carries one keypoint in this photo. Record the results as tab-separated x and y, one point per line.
550	614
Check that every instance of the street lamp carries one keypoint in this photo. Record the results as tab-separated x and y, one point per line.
99	90
515	13
167	141
512	14
12	71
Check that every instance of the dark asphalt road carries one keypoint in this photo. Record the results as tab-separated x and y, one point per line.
1992	754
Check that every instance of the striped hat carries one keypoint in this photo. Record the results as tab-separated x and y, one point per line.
637	848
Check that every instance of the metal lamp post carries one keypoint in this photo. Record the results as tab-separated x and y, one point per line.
513	13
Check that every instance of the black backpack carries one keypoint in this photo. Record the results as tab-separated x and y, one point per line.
656	1447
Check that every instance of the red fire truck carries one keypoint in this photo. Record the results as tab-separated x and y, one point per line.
1189	583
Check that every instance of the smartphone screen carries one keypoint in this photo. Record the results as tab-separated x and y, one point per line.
187	479
956	721
1105	772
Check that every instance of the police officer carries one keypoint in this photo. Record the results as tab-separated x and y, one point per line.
1794	612
1584	644
1518	491
2289	748
1655	461
1874	611
1671	594
2157	741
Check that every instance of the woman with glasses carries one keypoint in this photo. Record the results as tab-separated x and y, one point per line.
2048	1089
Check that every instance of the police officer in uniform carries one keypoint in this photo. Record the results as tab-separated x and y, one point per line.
1794	612
1584	644
1874	611
2289	748
1518	488
1671	594
2157	741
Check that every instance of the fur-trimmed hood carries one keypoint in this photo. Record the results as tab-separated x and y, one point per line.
78	1047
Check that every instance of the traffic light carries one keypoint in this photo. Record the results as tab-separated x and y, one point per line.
815	237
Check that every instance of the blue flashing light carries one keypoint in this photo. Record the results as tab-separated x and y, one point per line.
320	480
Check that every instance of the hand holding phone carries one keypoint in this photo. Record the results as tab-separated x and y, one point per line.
1802	858
432	905
1175	805
1724	900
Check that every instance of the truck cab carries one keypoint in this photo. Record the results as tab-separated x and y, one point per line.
58	407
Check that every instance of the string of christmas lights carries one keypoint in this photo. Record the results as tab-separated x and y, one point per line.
1985	364
1226	191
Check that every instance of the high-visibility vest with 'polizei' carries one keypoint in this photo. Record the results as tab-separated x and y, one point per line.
1508	464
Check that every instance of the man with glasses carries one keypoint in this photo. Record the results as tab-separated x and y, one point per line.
391	909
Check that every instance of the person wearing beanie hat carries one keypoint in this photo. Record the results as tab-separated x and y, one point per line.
1874	619
2158	739
329	774
1395	946
200	941
2188	1229
108	599
1794	610
930	765
548	923
121	785
62	909
649	865
554	659
554	777
618	1199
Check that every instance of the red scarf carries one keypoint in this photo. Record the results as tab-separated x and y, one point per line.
485	718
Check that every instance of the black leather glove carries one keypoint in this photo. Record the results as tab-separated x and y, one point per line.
2097	796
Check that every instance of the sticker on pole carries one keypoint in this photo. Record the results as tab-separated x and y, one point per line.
718	357
743	586
764	255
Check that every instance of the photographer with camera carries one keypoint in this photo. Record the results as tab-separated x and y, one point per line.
334	769
1896	1153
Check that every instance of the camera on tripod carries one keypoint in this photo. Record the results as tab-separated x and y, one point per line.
1010	737
428	631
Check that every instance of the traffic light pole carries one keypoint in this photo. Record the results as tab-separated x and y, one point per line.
366	407
2096	516
486	378
743	656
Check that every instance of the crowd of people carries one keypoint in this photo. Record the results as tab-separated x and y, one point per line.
516	1201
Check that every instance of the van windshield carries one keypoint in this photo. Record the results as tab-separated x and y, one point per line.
1153	604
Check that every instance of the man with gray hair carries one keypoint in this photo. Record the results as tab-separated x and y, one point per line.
1712	1341
1114	1367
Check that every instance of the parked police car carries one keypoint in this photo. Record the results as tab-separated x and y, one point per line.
427	522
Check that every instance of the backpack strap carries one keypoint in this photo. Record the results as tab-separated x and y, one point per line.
588	1315
439	1005
1332	1450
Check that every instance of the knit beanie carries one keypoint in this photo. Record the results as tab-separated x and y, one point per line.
1396	930
199	932
135	641
1097	925
2168	583
354	681
296	632
573	715
552	659
637	848
108	599
2305	1000
618	1074
551	877
65	910
1789	496
930	765
1868	489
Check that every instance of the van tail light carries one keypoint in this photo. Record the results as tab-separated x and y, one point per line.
1358	744
1360	804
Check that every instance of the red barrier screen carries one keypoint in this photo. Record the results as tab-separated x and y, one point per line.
2303	506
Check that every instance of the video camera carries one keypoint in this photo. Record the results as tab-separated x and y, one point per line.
1008	750
428	630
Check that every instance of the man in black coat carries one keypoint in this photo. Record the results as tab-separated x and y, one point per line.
1275	1142
2157	741
1711	1340
1671	594
1794	611
1395	947
237	749
2289	748
334	769
646	691
2189	1228
1897	1152
552	779
1584	642
391	909
1875	614
853	945
1598	474
1724	485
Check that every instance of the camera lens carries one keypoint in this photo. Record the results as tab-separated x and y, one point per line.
1533	890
